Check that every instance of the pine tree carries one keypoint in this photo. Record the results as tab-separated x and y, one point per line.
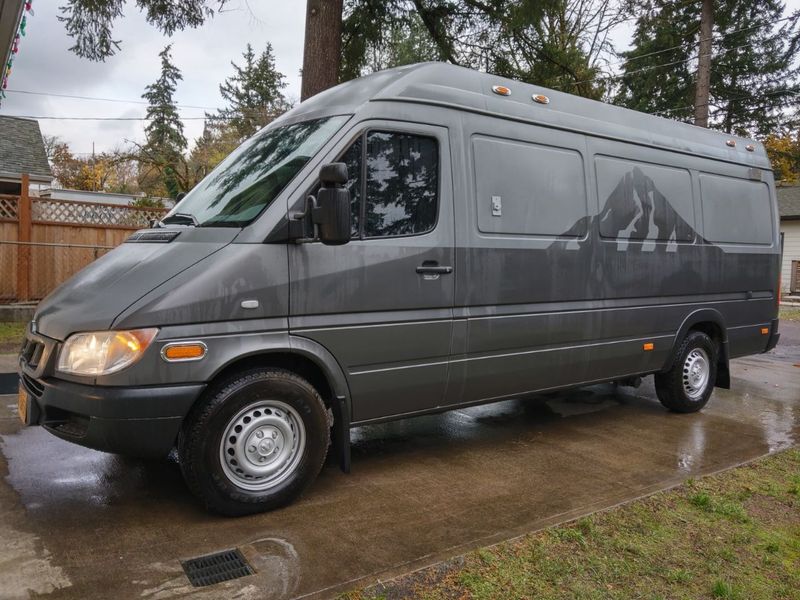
253	94
753	75
166	143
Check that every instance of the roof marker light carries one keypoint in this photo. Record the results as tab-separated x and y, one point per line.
750	148
541	99
501	90
731	143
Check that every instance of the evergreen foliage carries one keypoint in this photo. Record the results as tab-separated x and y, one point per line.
91	22
753	72
554	43
253	93
164	132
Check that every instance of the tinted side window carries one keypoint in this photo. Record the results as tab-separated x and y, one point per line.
402	184
736	211
352	158
539	190
641	201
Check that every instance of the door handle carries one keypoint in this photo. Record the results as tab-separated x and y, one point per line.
432	268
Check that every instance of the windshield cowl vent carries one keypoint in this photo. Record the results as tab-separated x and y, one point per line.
156	237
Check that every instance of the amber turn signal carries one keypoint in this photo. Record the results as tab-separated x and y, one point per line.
184	351
764	330
647	346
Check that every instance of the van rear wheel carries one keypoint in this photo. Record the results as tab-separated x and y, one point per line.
688	384
254	442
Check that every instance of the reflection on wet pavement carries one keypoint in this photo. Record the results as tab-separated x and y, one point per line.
92	525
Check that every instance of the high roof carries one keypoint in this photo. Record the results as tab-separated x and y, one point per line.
789	201
22	150
442	84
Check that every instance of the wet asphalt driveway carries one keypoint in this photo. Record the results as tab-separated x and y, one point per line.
75	523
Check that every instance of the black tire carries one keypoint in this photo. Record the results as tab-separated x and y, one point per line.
672	386
201	447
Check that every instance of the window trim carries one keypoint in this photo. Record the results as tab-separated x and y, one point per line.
363	204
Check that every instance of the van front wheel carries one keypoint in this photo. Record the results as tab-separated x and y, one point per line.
687	385
255	442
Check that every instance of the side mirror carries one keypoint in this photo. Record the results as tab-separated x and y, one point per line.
332	211
180	197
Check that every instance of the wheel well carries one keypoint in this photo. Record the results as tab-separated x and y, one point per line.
296	363
715	332
711	329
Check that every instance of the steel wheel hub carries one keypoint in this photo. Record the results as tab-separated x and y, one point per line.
262	445
696	373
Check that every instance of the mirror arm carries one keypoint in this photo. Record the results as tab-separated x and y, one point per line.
310	207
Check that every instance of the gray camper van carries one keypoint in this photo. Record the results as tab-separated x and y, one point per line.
420	239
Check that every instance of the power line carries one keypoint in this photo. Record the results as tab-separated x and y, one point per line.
99	99
54	118
793	93
651	67
692	43
667	64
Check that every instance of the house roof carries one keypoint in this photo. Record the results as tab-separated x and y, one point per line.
22	149
789	201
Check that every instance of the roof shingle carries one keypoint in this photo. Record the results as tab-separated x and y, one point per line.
789	201
22	149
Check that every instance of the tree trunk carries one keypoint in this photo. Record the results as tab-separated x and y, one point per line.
323	46
703	88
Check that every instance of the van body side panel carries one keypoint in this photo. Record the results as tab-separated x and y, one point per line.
387	325
213	290
547	311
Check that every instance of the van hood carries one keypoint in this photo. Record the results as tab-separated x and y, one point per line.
96	295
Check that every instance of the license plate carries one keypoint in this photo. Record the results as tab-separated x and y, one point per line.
22	404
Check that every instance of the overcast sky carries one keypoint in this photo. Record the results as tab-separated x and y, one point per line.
203	55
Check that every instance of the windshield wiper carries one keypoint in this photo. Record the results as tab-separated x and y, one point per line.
181	219
222	223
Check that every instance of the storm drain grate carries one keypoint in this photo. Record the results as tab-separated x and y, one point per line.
217	567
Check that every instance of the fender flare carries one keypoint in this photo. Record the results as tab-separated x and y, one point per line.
705	315
342	406
285	343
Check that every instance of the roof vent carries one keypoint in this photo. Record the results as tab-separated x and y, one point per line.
501	90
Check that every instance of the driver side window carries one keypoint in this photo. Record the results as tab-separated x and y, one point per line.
393	183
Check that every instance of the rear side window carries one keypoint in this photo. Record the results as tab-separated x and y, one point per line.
528	189
395	191
642	201
735	211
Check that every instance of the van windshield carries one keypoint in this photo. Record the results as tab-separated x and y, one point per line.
253	175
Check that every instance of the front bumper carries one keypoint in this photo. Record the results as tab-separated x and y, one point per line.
135	421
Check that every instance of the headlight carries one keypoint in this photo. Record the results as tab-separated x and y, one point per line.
103	352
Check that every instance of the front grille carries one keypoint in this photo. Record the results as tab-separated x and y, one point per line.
32	352
216	568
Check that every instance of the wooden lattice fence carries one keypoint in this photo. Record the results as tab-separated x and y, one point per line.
43	242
